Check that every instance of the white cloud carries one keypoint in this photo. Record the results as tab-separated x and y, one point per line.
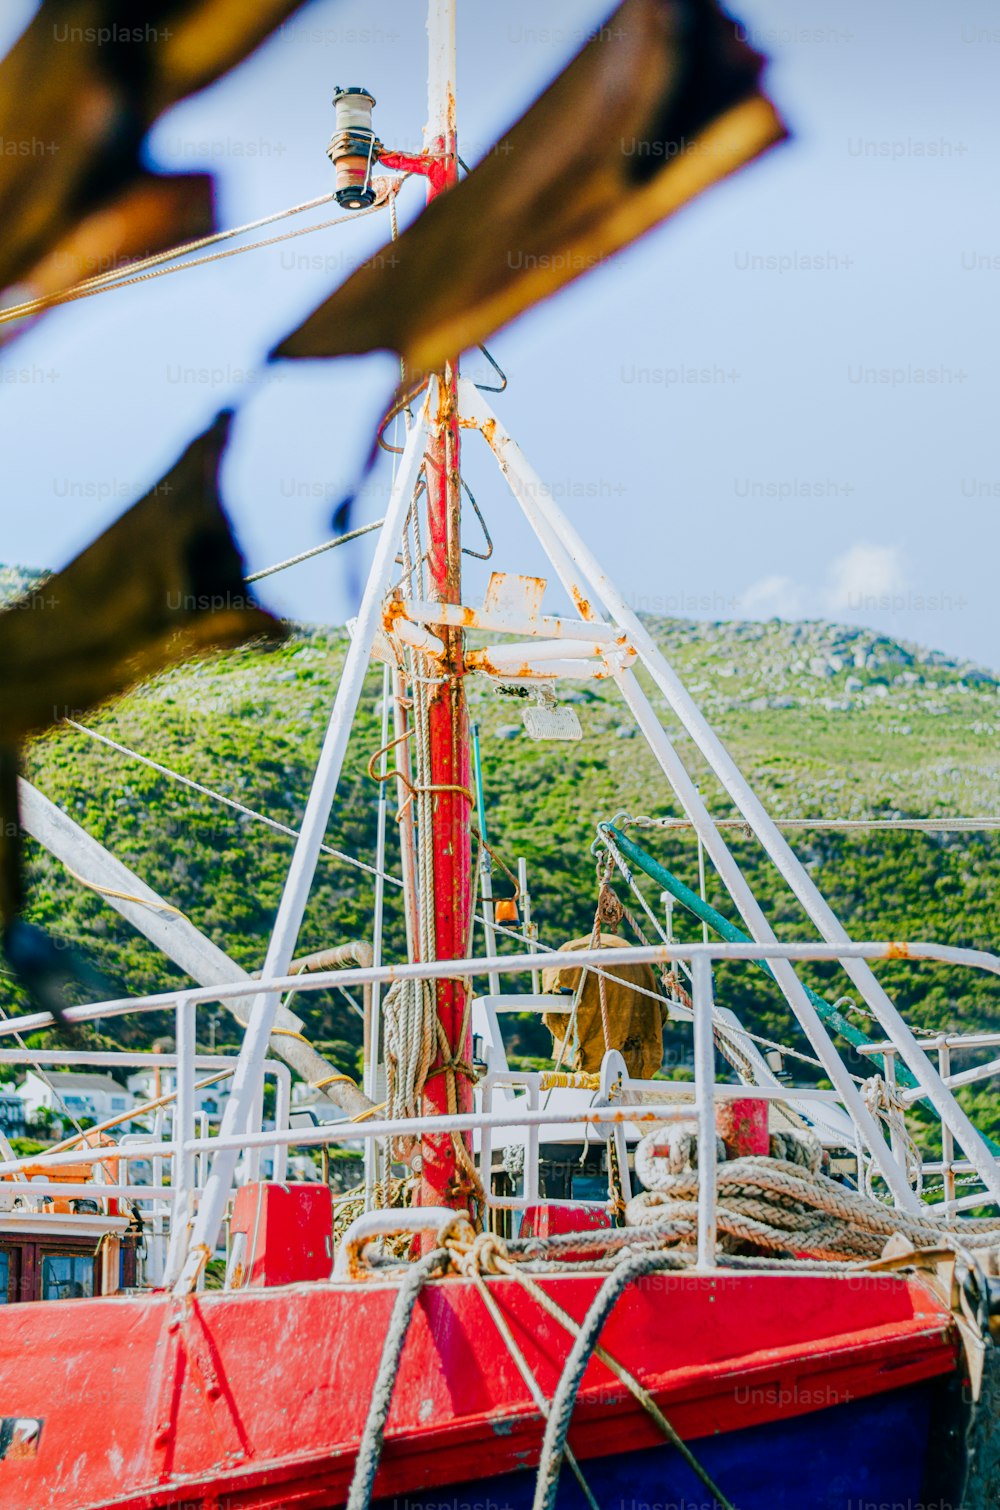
861	579
774	597
863	575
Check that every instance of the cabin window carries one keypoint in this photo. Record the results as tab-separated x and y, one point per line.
4	1278
67	1276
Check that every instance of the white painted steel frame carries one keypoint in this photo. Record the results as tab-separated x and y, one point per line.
704	1100
374	1024
529	490
570	555
646	954
532	1118
248	1078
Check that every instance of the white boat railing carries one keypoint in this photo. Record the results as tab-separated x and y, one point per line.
155	1196
187	1146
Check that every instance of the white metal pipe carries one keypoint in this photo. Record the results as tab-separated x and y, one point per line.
562	546
947	1141
457	616
652	954
251	1156
964	1077
247	1079
436	1219
184	1115
701	885
282	1114
350	1132
156	1243
904	1041
520	651
440	74
95	1192
758	925
174	934
171	932
418	638
964	1203
704	1085
961	1041
542	505
113	1057
541	670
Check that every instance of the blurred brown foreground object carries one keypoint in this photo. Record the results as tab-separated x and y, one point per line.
661	103
164	583
78	92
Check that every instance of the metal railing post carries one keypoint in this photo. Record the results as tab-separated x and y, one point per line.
373	1024
184	1116
704	1091
282	1112
947	1141
528	928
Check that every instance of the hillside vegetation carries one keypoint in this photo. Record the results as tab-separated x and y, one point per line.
825	720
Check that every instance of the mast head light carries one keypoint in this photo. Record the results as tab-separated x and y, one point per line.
354	148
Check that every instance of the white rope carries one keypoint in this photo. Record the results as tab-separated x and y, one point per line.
316	550
882	1100
240	807
127	277
409	1015
411	1040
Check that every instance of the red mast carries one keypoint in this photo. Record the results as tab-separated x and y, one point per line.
443	1182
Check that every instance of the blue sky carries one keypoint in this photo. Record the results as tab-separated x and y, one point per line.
783	402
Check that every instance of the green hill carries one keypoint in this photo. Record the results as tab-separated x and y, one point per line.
825	720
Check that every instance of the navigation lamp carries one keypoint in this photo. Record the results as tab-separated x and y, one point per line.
353	148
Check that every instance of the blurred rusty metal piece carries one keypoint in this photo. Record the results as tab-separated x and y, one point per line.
163	583
661	103
78	91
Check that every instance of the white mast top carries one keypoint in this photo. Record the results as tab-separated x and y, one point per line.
440	126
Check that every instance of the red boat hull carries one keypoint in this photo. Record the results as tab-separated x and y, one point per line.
258	1398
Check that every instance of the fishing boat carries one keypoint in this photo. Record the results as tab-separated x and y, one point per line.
581	1284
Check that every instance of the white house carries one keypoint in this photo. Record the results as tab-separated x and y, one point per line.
150	1084
65	1091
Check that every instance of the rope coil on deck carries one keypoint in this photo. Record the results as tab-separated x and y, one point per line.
784	1206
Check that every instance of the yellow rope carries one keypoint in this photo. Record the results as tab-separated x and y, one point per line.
582	1080
370	1112
317	1085
279	1032
123	896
